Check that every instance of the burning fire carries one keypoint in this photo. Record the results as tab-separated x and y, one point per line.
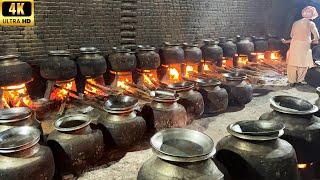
15	96
206	67
92	90
62	93
173	74
191	69
275	55
242	60
304	166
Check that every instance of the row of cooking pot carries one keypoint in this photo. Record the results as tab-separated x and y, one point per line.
253	150
69	142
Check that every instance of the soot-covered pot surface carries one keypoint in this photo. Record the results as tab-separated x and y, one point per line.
91	63
302	126
180	154
215	98
164	111
255	151
22	157
74	144
191	100
120	125
212	52
13	71
147	58
122	60
59	66
171	53
239	91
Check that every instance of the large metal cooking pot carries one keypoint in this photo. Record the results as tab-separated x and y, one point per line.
122	60
212	52
192	54
185	153
255	151
59	66
74	144
13	71
171	54
120	125
302	126
18	116
244	46
239	91
229	48
147	58
165	112
191	100
260	44
21	157
90	62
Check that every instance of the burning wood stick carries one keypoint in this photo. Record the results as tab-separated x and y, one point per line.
50	85
110	90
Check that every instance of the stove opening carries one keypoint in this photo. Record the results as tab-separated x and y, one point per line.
273	55
172	73
120	78
191	69
15	96
242	60
92	87
61	90
148	78
227	62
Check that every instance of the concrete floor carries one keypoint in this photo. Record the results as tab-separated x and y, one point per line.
128	166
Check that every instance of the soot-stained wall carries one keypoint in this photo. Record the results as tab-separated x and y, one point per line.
70	24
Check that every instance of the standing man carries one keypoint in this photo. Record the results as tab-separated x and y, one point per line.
299	55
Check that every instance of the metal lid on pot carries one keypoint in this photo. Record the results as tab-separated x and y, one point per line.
292	105
59	53
88	50
164	96
120	103
146	48
235	76
14	114
121	49
261	130
18	138
171	44
182	145
181	86
9	56
206	82
72	122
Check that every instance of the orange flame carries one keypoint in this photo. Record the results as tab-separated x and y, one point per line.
173	74
191	68
275	55
243	60
16	96
62	93
206	67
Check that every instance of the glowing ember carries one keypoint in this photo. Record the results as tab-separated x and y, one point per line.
302	166
62	93
16	96
122	84
224	63
275	55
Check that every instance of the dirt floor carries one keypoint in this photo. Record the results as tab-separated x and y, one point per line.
127	164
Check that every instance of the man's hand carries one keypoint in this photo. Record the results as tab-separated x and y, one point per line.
315	41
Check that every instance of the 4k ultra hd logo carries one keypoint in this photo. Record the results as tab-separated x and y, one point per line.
17	13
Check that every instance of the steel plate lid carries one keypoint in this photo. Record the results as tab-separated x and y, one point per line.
257	128
72	122
182	145
14	114
18	138
261	130
119	103
292	105
185	85
205	82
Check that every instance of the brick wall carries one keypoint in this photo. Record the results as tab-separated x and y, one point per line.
70	24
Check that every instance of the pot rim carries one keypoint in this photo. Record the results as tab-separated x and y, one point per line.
22	131
9	56
231	77
189	44
206	82
146	48
279	108
72	117
121	50
204	141
171	44
181	86
89	50
59	53
266	127
254	137
14	114
164	96
129	103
